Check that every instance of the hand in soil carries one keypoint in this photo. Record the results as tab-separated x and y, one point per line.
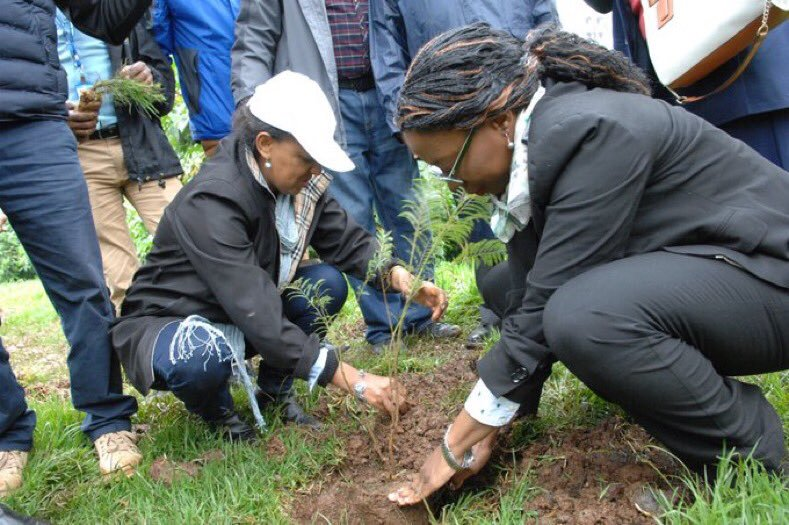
138	71
386	394
433	475
83	121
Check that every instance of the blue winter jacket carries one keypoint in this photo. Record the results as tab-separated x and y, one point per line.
763	87
199	36
398	28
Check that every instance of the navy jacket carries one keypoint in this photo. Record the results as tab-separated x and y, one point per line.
398	28
763	87
32	84
199	35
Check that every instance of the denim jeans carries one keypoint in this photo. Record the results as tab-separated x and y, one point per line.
202	382
381	182
43	192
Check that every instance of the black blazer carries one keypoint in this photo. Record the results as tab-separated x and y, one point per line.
216	254
613	175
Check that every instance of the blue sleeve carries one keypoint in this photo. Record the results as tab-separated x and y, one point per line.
544	11
389	52
163	27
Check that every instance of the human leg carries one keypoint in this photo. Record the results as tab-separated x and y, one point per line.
660	334
105	175
46	200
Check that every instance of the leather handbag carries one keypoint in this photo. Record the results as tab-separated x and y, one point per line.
689	39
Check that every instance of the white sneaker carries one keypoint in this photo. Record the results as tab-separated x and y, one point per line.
12	462
117	452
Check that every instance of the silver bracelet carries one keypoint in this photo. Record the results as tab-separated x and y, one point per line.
449	457
360	386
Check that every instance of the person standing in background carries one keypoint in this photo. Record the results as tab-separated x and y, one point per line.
399	28
754	109
199	36
329	41
123	152
43	192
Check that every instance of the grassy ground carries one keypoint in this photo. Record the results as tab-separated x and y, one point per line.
217	483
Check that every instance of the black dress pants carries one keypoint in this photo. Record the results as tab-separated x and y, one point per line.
661	334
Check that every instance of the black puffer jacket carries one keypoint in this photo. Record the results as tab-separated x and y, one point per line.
32	83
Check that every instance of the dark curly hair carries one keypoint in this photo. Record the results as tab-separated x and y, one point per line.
465	76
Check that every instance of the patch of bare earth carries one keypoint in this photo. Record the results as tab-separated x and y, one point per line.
585	476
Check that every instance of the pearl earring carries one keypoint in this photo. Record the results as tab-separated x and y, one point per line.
267	164
510	143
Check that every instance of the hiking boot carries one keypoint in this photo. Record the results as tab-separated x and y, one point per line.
233	428
288	409
117	452
478	335
442	330
12	462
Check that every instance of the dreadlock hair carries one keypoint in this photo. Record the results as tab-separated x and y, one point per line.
465	76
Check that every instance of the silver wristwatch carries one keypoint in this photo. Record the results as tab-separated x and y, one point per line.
360	386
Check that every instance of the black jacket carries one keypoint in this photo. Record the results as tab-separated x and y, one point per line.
146	151
613	175
216	254
32	83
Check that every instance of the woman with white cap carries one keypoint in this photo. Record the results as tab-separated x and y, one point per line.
214	286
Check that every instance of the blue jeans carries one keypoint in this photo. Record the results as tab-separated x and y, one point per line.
43	192
202	384
382	180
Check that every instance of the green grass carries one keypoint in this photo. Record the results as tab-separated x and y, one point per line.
251	486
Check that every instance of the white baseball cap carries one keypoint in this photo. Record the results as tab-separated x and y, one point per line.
295	103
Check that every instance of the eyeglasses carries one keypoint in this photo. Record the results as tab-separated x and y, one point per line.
450	177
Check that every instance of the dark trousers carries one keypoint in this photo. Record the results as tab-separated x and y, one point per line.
202	383
493	283
660	335
43	192
381	183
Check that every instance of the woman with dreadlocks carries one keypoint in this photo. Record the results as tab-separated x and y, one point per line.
648	250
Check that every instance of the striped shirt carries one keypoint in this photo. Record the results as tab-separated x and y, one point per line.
349	23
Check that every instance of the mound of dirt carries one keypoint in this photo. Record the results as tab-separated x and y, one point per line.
599	475
588	476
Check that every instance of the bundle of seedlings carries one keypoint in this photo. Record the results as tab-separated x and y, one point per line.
126	92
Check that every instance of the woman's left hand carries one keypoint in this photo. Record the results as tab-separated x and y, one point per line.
436	472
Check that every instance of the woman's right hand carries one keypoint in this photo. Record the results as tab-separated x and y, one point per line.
386	394
383	393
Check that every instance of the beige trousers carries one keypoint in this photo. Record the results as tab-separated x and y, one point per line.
108	183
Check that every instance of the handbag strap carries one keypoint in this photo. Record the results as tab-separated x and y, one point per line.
761	34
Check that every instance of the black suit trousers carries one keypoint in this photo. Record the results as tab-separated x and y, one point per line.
662	334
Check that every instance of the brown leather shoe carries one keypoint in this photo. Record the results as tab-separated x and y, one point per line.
117	452
12	462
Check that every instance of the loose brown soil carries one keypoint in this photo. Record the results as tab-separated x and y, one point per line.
585	476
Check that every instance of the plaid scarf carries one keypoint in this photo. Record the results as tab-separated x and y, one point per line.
298	209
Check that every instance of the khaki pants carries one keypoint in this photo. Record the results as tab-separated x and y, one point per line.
108	183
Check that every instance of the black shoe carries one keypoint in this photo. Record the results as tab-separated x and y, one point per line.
478	335
383	346
289	410
442	330
233	428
